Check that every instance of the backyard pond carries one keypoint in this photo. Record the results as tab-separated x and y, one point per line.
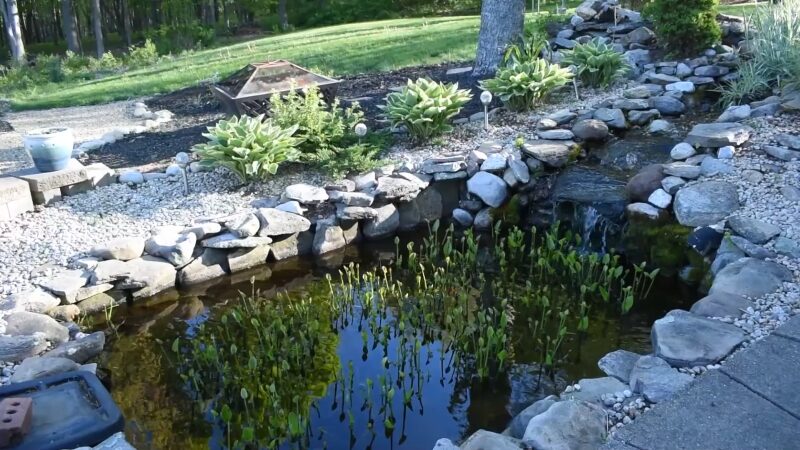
385	345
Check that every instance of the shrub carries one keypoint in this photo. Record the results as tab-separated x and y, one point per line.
597	63
522	86
248	146
356	158
773	49
685	26
144	55
174	38
528	48
425	107
319	126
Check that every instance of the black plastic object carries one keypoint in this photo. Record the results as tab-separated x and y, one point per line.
70	410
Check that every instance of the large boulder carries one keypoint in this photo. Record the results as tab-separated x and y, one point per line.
721	304
750	277
753	230
656	380
403	187
618	364
213	263
305	193
553	153
613	117
426	208
275	222
719	134
668	105
16	348
33	300
23	323
684	339
487	440
489	188
705	203
297	244
644	183
248	258
80	350
149	275
384	224
590	130
329	237
39	367
592	389
519	423
123	249
570	424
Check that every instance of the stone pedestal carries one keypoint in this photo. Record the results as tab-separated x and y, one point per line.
48	187
15	198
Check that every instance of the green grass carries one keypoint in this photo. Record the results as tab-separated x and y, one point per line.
741	9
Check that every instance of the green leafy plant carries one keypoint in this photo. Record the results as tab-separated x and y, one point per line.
522	86
528	48
597	63
140	56
357	158
425	107
250	147
685	26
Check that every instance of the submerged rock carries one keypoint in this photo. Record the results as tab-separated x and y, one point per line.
684	339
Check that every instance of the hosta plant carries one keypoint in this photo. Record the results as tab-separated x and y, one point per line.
425	107
597	63
522	86
250	147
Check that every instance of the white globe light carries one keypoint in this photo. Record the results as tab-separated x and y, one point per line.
361	130
486	97
182	158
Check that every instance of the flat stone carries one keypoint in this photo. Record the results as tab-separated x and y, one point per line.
384	224
80	350
705	203
432	166
328	238
751	249
592	389
516	428
711	71
684	339
123	249
569	424
656	380
297	244
682	151
787	247
719	134
230	240
202	230
149	275
721	304
555	135
305	194
494	162
753	230
38	367
399	188
750	277
275	222
645	210
355	213
485	440
175	247
562	116
660	198
553	153
16	348
92	290
668	105
618	364
213	263
781	153
109	271
681	86
636	92
350	198
242	225
711	166
660	126
491	189
643	117
683	170
589	130
613	117
293	206
32	300
100	303
788	140
67	284
44	181
23	323
629	104
735	113
672	184
248	258
662	79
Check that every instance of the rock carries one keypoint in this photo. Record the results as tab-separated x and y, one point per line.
727	152
656	380
662	79
519	423
750	277
204	229
719	134
614	118
67	285
735	114
704	240
519	170
712	166
590	130
365	181
462	217
684	339
494	162
672	184
399	188
489	188
349	198
637	57
131	177
667	105
294	207
426	208
248	258
721	304
683	170
569	424
242	225
109	271
766	110
637	92
443	165
791	193
385	224
483	220
705	203
753	230
65	313
486	440
592	389
175	247
80	350
680	86
38	367
618	364
660	198
644	210
32	300
787	247
711	71
683	70
643	117
627	104
23	323
329	237
123	249
562	116
228	241
644	183
588	9
781	153
211	264
788	140
641	35
682	151
659	126
305	194
16	348
555	135
149	275
115	442
751	249
297	244
352	213
445	444
274	222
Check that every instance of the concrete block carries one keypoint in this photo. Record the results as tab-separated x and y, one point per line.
47	197
13	209
12	189
101	175
41	182
77	188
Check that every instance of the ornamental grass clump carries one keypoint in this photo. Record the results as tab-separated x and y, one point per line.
597	63
250	147
522	86
425	107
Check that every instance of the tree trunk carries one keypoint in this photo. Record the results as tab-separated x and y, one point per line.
98	28
212	13
502	21
68	26
283	17
126	23
13	30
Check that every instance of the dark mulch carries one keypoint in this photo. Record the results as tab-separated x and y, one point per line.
5	127
195	109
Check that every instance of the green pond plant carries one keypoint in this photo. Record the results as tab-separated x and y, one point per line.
468	302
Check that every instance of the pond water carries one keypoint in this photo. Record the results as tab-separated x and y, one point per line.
444	399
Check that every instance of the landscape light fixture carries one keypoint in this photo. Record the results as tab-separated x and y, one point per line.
183	160
486	98
361	131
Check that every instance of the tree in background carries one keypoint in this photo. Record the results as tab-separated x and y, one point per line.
502	21
13	30
69	27
97	23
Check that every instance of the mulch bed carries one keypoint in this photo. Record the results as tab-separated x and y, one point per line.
195	109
